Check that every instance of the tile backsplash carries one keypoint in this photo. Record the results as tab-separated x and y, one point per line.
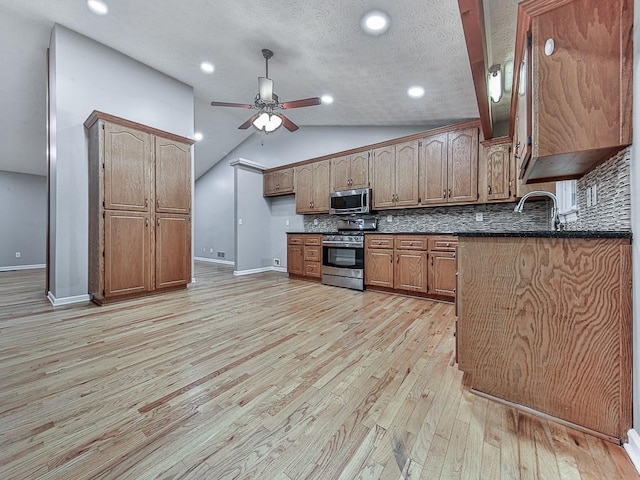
496	217
612	210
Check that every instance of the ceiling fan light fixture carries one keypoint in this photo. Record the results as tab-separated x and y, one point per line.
375	22
267	122
99	7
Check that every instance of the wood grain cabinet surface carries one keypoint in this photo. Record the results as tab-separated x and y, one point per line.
418	264
304	255
395	176
581	70
350	171
278	182
139	208
312	186
545	323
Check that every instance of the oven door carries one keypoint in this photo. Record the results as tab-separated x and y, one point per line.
343	260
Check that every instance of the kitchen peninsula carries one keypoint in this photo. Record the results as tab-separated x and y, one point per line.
544	324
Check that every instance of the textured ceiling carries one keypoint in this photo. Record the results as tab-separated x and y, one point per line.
319	48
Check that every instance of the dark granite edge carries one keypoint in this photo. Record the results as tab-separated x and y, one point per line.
550	234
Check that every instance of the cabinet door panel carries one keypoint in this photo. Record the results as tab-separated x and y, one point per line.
340	174
433	170
269	183
407	174
498	176
295	259
321	187
128	157
173	250
304	188
359	170
463	166
127	253
411	271
442	274
384	177
173	177
379	268
285	181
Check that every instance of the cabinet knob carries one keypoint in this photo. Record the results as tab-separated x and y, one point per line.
158	222
158	203
444	194
146	222
449	193
489	189
398	259
549	47
411	244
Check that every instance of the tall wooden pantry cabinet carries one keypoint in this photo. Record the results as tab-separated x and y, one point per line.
139	208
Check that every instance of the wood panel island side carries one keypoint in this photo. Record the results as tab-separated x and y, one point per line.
544	324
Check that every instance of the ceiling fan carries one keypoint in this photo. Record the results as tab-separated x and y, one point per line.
266	102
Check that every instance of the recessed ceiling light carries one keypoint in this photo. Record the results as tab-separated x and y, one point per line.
328	99
416	92
99	7
207	67
376	22
198	136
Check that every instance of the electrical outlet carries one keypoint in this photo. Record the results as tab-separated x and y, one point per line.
204	250
389	218
211	250
286	222
588	194
594	196
276	262
315	222
17	254
479	217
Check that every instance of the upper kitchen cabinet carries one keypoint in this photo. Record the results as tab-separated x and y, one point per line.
395	175
278	182
350	171
449	167
128	160
312	182
173	176
579	95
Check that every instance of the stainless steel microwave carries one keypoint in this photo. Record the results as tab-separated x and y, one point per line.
350	201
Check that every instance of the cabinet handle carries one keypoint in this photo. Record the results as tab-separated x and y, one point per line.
158	203
447	244
146	222
432	261
398	259
146	202
444	194
411	244
489	189
158	222
391	258
449	193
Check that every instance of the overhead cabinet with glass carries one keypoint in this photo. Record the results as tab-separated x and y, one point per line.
139	208
576	63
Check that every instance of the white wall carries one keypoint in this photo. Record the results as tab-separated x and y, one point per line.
253	221
214	215
23	219
88	76
283	209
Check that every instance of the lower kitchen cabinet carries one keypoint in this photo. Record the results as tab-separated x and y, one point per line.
419	264
173	250
304	255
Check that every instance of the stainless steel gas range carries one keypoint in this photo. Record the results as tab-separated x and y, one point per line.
343	253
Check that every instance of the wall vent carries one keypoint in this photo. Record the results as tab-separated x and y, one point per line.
220	254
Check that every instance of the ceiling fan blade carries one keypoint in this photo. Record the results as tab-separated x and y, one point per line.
234	105
307	102
288	124
265	87
249	122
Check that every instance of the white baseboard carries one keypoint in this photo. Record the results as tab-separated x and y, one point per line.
259	270
633	448
21	267
57	302
214	260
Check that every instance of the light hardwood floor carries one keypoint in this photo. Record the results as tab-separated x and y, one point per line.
259	377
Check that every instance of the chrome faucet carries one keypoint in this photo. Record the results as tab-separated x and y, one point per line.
555	219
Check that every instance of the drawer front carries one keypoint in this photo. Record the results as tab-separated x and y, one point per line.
295	240
311	254
379	241
313	239
312	269
411	242
443	244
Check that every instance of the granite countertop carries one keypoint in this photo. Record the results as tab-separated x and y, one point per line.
549	234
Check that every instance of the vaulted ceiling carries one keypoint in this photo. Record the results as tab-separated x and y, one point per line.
319	49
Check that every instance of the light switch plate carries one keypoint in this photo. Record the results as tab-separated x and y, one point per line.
286	222
239	221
